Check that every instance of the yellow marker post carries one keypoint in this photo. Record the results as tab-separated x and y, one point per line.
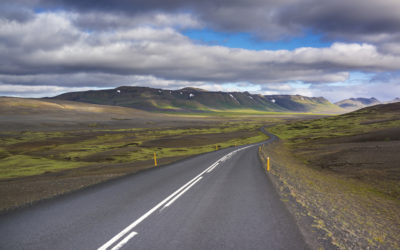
268	164
155	159
216	147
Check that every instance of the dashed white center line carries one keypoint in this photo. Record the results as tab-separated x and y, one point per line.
167	201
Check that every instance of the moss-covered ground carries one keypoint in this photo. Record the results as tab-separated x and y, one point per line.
34	153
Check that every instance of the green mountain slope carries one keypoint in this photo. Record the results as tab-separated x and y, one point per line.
198	100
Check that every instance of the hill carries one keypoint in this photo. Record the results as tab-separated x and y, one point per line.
357	103
198	100
345	170
52	114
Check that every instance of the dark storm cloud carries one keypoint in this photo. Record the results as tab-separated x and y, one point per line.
15	12
254	16
357	20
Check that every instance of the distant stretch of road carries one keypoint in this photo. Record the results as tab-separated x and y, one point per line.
218	200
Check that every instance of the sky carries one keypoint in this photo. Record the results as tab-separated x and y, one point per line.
335	49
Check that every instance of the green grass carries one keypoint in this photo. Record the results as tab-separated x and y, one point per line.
344	125
33	153
23	165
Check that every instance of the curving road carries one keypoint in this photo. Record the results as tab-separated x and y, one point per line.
219	200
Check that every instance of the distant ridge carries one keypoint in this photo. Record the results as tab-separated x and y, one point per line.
199	100
357	103
397	99
193	89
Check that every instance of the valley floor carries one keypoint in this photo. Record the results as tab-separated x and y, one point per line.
52	147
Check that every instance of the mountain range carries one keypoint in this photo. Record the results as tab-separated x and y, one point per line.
198	100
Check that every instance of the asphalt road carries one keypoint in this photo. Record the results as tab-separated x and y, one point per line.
219	200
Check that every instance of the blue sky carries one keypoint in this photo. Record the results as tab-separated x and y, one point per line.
245	40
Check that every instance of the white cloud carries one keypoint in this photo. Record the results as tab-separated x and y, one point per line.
47	31
37	90
165	53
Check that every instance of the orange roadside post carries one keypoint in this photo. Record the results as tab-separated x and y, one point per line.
155	159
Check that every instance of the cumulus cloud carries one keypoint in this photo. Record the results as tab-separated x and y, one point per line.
164	53
46	31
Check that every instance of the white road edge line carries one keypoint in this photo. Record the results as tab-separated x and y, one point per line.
184	191
143	217
124	241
